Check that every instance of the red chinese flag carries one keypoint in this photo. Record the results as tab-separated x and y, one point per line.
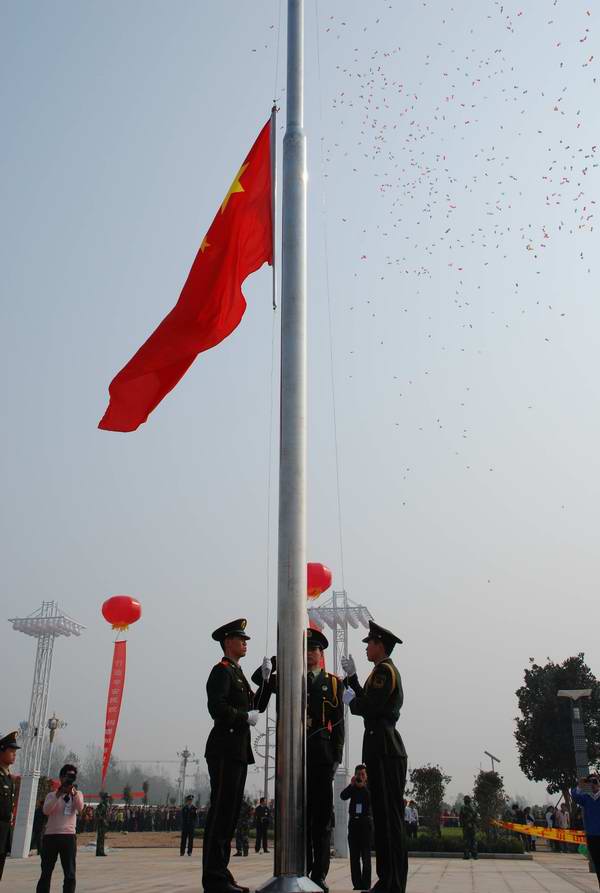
211	304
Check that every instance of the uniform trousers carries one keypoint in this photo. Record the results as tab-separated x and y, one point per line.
319	808
53	846
262	836
387	777
5	834
359	844
593	845
227	782
187	839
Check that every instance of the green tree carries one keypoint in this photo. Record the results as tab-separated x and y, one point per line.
145	789
428	788
127	795
490	799
544	738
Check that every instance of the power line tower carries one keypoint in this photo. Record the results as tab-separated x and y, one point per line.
46	624
339	613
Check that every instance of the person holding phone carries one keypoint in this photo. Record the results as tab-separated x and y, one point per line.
360	828
62	808
587	795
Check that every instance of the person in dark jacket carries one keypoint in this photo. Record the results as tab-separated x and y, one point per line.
589	801
262	820
379	703
189	814
359	828
234	708
8	754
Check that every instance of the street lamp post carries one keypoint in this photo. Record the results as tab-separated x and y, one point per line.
577	727
53	725
492	758
579	739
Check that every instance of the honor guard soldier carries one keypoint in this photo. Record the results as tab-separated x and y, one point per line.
8	754
379	703
234	708
324	750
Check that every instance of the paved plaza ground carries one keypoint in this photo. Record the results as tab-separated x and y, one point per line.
152	870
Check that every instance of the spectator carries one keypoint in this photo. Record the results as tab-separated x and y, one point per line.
468	821
562	823
262	816
360	825
530	822
411	819
62	808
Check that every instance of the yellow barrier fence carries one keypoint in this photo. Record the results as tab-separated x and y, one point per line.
567	836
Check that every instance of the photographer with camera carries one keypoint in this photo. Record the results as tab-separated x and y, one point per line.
62	807
360	828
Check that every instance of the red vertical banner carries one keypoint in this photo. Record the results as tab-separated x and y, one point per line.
113	702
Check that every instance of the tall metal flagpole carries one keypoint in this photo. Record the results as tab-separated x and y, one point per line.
290	849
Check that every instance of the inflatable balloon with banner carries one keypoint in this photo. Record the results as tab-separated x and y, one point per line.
120	611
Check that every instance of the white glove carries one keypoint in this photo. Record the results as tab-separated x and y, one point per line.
349	695
348	666
266	668
253	717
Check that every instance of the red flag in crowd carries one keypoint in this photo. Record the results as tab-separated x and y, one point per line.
211	305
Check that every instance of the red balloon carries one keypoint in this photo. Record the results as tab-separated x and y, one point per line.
121	611
318	579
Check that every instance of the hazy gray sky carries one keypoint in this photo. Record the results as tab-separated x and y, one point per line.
456	186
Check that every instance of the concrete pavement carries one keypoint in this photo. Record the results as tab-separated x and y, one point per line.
164	870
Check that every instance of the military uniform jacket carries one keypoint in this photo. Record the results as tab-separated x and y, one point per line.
7	799
229	700
379	704
324	720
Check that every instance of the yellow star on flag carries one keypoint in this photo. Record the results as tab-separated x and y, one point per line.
205	245
236	186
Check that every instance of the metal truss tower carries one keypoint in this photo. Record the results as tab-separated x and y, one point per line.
46	624
339	613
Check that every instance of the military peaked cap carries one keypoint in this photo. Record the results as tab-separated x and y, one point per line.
9	740
316	639
379	634
233	628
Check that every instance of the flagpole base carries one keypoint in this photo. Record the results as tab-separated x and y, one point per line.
289	883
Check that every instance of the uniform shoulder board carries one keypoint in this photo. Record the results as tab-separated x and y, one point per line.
390	670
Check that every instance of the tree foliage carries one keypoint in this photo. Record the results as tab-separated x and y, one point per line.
490	799
544	738
428	789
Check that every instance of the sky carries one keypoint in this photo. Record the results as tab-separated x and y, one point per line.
453	360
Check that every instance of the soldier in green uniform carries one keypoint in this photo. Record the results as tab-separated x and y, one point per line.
468	823
324	750
8	754
101	816
379	703
242	831
234	708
